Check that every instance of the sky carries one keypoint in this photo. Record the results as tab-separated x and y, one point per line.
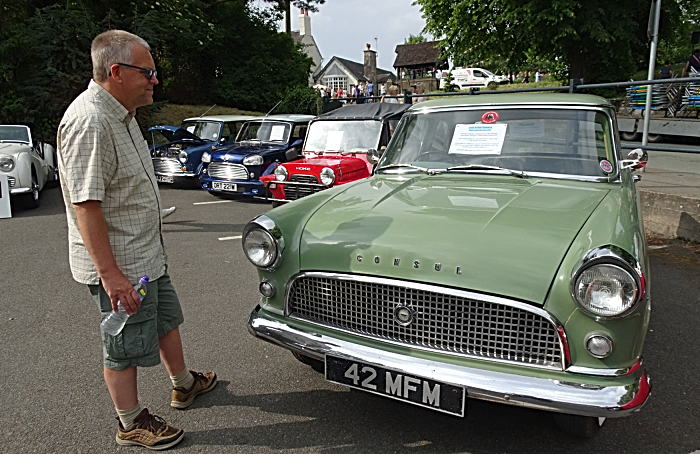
342	28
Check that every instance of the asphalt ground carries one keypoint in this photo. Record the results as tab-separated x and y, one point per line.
53	397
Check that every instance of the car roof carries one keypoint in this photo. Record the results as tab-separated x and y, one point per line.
285	117
514	99
221	118
374	111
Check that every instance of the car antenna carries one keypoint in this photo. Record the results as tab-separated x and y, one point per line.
207	110
273	108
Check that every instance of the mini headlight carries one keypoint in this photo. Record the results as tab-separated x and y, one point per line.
206	157
267	289
327	176
260	247
255	160
281	173
182	157
6	163
605	290
599	346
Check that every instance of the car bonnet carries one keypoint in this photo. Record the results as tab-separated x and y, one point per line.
498	235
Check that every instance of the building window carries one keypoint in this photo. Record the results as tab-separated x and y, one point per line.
335	82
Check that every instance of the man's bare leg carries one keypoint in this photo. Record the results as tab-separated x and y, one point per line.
171	352
122	387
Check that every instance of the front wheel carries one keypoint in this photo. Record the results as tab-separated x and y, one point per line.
579	426
31	200
629	136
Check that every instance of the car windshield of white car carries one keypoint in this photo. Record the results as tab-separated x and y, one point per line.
266	131
205	130
554	141
14	134
343	136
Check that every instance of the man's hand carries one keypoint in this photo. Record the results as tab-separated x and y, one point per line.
119	288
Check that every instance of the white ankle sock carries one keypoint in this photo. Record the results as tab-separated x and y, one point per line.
183	380
127	416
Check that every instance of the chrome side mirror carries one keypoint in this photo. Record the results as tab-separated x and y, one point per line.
373	156
636	159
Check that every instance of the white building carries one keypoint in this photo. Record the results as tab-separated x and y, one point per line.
303	36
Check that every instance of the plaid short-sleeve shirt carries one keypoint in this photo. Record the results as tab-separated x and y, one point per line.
102	156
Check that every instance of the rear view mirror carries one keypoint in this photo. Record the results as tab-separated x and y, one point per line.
373	156
636	159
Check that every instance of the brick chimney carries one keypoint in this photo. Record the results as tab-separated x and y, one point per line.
304	23
370	70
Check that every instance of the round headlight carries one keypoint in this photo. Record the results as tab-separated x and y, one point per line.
281	173
327	176
206	157
255	160
182	157
6	163
599	345
260	247
606	290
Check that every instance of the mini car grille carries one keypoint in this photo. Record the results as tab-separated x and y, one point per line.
293	192
11	182
167	166
442	322
226	171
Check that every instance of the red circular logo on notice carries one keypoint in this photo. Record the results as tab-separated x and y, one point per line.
489	117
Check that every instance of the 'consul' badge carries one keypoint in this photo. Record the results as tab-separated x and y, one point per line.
404	315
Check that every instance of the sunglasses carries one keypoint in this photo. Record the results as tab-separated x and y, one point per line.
150	73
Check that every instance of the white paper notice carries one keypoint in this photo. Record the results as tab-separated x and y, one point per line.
478	139
190	129
333	140
277	133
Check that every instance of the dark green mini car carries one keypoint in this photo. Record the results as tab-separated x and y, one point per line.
497	253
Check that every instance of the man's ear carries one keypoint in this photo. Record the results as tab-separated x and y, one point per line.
115	73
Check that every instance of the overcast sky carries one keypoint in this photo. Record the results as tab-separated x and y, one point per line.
341	28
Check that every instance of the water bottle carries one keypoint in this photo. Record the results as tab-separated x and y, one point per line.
114	323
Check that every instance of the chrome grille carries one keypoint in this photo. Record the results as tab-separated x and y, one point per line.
227	171
167	166
294	192
442	321
11	182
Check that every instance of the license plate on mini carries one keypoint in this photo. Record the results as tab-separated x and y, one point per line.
413	389
232	187
164	179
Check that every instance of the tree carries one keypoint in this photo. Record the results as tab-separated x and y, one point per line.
596	40
414	39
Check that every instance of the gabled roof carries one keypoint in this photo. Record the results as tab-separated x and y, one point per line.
354	68
419	54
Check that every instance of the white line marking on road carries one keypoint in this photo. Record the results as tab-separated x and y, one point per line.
237	237
209	203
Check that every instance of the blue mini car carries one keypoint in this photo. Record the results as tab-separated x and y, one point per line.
261	144
177	152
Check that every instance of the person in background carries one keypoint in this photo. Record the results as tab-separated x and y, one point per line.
382	90
115	234
526	79
370	89
666	72
693	64
392	91
538	75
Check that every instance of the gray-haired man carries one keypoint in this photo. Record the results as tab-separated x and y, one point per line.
114	229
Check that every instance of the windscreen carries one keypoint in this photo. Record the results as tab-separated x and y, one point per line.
205	130
14	134
266	131
343	135
553	141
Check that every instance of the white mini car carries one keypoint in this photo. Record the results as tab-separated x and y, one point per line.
28	164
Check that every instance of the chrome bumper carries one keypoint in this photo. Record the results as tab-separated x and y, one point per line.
574	396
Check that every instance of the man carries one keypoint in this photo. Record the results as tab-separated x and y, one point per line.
694	63
114	228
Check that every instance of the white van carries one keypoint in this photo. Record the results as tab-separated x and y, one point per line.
473	77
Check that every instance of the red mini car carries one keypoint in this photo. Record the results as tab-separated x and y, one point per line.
341	146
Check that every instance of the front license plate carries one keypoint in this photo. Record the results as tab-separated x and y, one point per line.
162	179
224	186
416	390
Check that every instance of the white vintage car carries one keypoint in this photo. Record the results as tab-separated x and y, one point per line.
28	164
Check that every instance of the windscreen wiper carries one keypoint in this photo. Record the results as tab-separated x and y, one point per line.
517	173
411	166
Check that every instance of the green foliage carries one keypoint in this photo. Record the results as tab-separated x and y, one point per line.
205	51
592	39
448	86
299	100
414	39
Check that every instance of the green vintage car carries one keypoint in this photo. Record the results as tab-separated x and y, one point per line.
497	253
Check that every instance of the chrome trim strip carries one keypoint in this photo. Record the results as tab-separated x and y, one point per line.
435	289
170	174
569	395
604	372
298	183
20	191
